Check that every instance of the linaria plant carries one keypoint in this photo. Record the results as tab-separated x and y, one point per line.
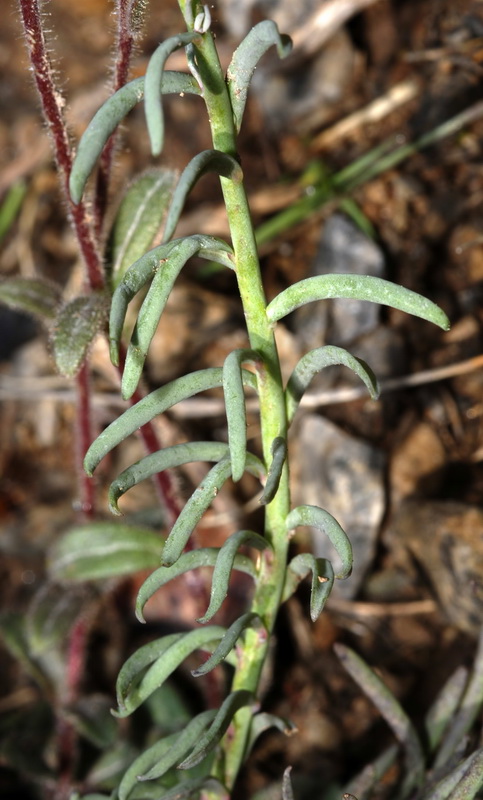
206	756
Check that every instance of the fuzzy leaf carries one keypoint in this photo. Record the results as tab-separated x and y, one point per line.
106	120
314	362
287	791
218	727
263	722
159	461
224	565
248	620
50	616
445	707
101	550
201	164
319	518
358	287
185	741
198	503
155	403
154	78
33	295
245	59
279	455
140	218
193	559
463	782
187	789
322	580
77	324
148	668
235	408
390	709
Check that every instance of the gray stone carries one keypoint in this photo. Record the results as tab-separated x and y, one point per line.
346	477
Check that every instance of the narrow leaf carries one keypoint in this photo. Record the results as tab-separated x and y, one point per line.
106	120
319	518
207	161
444	708
156	462
192	788
32	295
140	218
389	708
248	620
218	728
463	782
102	550
76	326
263	722
152	405
358	287
185	741
148	759
245	59
135	683
279	456
235	408
287	791
154	79
316	360
193	559
322	580
225	563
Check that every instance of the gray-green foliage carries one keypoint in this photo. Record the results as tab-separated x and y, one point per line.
202	746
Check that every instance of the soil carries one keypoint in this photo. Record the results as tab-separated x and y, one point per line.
416	612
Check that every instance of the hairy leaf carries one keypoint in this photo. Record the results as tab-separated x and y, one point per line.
140	218
445	707
248	620
156	462
106	120
318	359
101	550
192	788
287	791
154	79
322	580
155	403
225	563
144	762
204	557
463	782
319	518
76	326
147	669
218	727
279	455
358	287
201	164
235	408
390	709
185	741
34	296
245	59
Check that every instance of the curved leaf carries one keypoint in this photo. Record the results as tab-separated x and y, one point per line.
76	326
32	295
165	273
235	408
148	668
314	362
106	120
224	565
101	550
207	161
159	461
390	709
358	287
193	559
248	620
263	722
279	455
316	517
192	788
155	403
322	580
245	59
140	218
153	79
166	753
218	728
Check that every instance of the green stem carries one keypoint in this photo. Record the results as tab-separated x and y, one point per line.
267	597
